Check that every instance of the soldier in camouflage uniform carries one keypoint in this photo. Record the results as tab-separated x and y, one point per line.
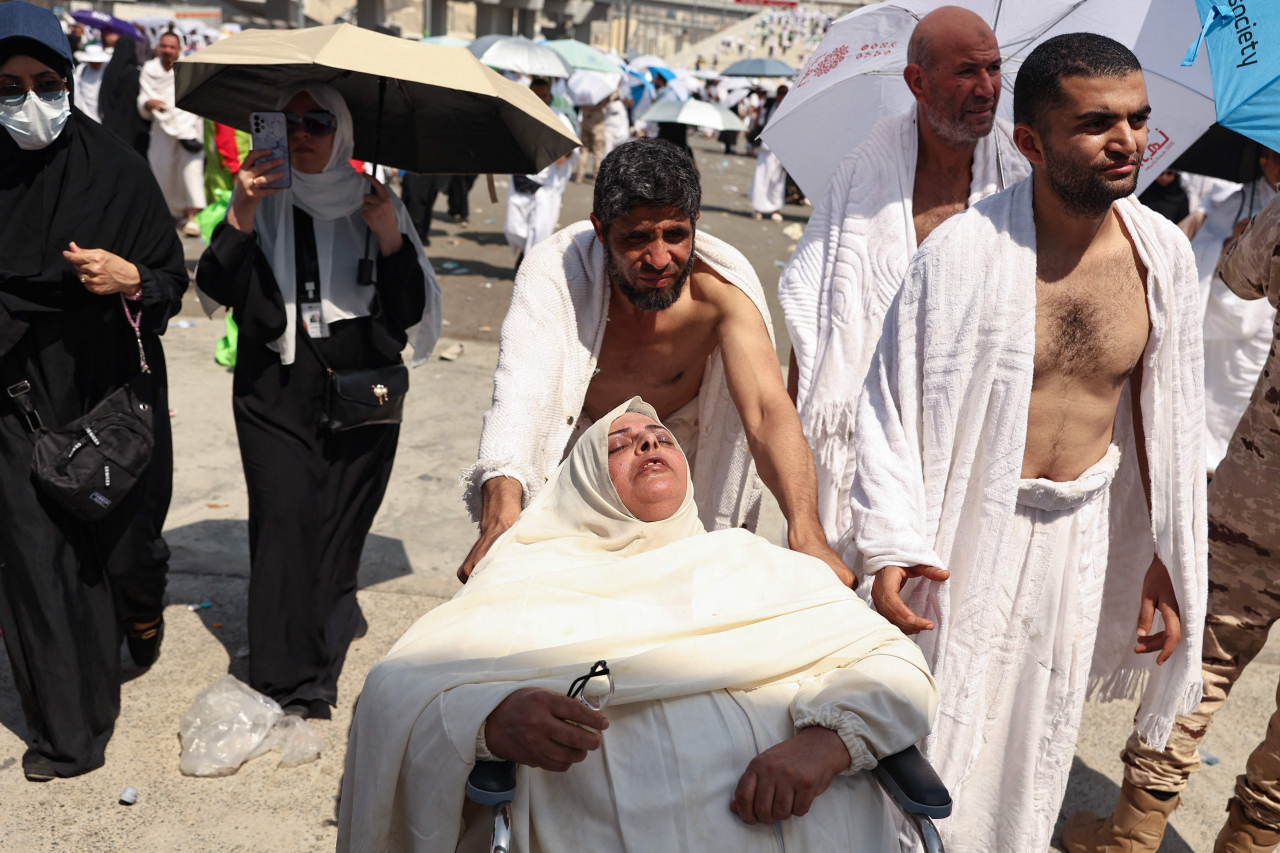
1244	600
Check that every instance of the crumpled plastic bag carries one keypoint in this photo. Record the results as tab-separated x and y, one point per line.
297	742
230	723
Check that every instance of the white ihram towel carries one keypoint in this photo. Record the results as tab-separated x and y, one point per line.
941	431
548	349
844	273
678	613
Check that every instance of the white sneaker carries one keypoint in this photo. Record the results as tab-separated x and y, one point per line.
191	228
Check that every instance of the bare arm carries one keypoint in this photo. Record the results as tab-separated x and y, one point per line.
773	429
793	377
1157	586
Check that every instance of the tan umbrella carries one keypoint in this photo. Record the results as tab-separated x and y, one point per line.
442	112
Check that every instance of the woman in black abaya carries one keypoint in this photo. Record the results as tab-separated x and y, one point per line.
118	97
84	227
286	261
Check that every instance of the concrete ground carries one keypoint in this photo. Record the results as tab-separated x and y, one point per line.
419	537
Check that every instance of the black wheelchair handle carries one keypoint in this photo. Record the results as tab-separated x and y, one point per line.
914	784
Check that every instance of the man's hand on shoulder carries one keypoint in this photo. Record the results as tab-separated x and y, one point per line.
785	779
502	499
886	595
536	727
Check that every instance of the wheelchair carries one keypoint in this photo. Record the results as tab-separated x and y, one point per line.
908	779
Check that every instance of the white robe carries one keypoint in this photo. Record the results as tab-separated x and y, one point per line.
548	348
88	83
940	438
768	183
844	272
1237	332
721	645
533	217
617	127
179	172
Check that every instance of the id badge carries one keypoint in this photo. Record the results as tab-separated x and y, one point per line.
313	321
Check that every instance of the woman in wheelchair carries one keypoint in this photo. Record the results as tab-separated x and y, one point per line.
752	688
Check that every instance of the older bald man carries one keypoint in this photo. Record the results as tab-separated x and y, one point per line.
887	196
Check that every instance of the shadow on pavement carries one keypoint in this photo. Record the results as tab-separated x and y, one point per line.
1087	789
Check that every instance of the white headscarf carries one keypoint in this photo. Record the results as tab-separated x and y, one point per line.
333	198
579	516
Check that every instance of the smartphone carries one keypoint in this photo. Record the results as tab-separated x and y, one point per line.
270	130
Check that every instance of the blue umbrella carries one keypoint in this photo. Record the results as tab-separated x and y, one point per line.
1246	77
760	67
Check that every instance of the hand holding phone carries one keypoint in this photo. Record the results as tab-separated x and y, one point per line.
258	173
270	131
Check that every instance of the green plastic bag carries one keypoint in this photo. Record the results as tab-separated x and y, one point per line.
224	352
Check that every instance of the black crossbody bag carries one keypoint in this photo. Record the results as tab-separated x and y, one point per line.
89	465
353	397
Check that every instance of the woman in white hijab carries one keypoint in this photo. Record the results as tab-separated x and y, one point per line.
286	262
752	686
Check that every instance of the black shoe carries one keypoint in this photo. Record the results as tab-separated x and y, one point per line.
144	643
362	629
298	708
308	709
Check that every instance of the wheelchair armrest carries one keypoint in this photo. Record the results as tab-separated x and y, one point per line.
492	783
913	784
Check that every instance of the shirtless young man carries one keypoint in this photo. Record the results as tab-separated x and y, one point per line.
995	440
912	173
635	303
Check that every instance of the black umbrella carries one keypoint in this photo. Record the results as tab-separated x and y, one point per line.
1222	153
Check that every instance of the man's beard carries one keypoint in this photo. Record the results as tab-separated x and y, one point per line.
647	298
1081	188
948	121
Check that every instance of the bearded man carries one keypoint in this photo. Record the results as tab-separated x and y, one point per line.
1029	454
630	304
888	194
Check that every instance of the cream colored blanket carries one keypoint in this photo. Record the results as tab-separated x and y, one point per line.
674	610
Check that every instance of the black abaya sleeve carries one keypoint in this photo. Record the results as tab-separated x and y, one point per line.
402	288
236	273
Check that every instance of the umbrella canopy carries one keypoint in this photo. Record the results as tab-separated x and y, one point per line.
696	113
446	41
1246	79
519	54
761	67
444	112
855	77
647	62
1222	153
583	57
103	21
591	87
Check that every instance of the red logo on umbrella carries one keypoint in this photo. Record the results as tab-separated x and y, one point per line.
823	64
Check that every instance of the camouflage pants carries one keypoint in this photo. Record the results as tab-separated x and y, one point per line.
1244	600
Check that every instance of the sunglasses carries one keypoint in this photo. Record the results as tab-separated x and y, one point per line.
50	90
314	122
